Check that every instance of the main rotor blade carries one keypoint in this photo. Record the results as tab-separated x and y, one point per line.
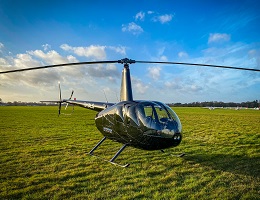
59	65
197	64
127	61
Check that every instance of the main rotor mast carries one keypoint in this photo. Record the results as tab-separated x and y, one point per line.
126	86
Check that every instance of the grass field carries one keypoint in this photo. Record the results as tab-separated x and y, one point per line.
44	156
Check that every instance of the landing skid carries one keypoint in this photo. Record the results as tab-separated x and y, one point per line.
177	155
114	157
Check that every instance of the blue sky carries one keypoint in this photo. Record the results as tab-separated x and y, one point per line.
43	32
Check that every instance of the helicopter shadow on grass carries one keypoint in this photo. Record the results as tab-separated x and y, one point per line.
236	164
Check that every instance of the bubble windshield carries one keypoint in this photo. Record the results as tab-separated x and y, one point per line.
159	116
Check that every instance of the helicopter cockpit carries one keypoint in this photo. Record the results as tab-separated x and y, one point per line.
159	118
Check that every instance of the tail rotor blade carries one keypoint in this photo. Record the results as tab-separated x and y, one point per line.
70	99
59	91
71	94
59	108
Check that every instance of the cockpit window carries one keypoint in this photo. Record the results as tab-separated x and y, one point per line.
157	116
162	114
148	111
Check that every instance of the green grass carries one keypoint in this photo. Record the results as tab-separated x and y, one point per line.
44	156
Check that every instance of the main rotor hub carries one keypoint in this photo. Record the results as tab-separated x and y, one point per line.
126	61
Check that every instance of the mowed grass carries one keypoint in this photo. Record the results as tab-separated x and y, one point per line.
44	156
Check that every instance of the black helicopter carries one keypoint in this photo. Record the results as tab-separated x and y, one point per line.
148	125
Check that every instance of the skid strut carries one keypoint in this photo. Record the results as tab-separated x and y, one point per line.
100	142
114	157
117	154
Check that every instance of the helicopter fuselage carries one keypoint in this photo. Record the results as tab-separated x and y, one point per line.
148	125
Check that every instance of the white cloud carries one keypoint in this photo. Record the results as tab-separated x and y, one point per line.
3	61
46	47
231	55
138	86
120	49
218	37
37	77
209	84
252	53
27	80
72	59
36	84
163	58
132	28
161	51
140	16
52	57
188	82
1	45
161	55
173	85
25	61
94	51
163	18
195	88
150	12
254	56
66	47
183	54
154	72
109	71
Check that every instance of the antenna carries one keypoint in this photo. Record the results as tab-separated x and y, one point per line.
118	99
105	95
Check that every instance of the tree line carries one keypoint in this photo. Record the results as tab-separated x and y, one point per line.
248	104
19	103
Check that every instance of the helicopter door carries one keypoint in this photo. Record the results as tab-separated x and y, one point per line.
151	117
129	115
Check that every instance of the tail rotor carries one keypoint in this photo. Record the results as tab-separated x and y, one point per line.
61	101
70	99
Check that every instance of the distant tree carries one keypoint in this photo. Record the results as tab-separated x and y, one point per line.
248	104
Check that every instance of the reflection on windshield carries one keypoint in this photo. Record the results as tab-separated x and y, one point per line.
158	116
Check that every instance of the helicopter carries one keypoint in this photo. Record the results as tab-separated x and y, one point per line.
142	124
